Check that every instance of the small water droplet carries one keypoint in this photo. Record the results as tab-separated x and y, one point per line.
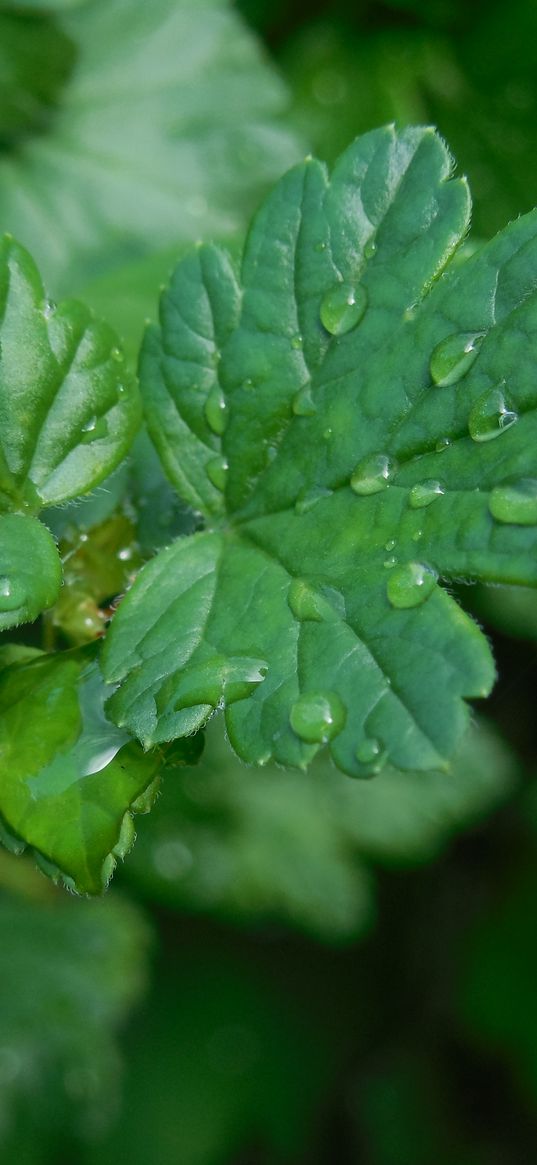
342	308
216	470
491	415
125	554
216	410
442	444
308	498
316	717
117	355
453	357
390	562
389	545
417	535
410	313
373	474
93	430
305	602
370	248
515	502
410	585
303	404
423	493
327	435
121	389
12	594
368	750
49	307
297	343
320	246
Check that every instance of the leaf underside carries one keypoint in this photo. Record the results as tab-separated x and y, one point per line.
355	418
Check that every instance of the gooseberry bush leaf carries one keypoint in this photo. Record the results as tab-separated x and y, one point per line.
354	417
69	409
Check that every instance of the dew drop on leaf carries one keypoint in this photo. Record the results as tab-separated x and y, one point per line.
316	717
370	248
94	429
515	502
425	492
371	753
372	474
490	415
410	584
342	308
216	410
442	444
389	545
217	472
12	594
303	404
305	602
454	356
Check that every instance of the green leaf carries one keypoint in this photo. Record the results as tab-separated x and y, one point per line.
71	973
70	778
170	124
371	401
69	407
30	569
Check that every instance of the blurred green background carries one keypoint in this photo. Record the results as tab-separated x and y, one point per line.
290	969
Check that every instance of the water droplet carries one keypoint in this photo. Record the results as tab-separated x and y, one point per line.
342	308
389	545
317	717
390	562
303	404
308	498
410	585
216	470
125	554
327	434
491	415
410	313
117	355
417	535
370	248
373	474
320	246
297	343
216	410
49	307
515	502
12	594
305	602
442	444
368	750
453	357
93	430
425	492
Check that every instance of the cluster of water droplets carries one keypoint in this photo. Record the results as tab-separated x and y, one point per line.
491	414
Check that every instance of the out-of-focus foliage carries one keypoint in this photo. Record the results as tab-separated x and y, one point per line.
291	847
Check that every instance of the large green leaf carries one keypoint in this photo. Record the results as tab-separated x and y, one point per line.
70	778
168	125
355	418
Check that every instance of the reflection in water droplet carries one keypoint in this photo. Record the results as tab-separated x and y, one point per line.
372	474
216	470
491	415
303	404
454	356
425	492
368	750
342	308
442	444
410	584
308	498
515	502
216	410
317	717
12	593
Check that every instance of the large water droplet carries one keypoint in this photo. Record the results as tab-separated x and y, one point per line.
453	357
12	594
216	410
491	415
342	308
371	753
425	492
515	502
410	584
373	474
305	602
317	717
216	470
303	404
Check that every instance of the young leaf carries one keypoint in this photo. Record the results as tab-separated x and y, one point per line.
69	777
368	425
68	406
30	569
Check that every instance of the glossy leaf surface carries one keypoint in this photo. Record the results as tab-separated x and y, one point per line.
69	777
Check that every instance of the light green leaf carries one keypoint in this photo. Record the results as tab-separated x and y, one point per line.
69	408
30	569
70	778
168	125
372	401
